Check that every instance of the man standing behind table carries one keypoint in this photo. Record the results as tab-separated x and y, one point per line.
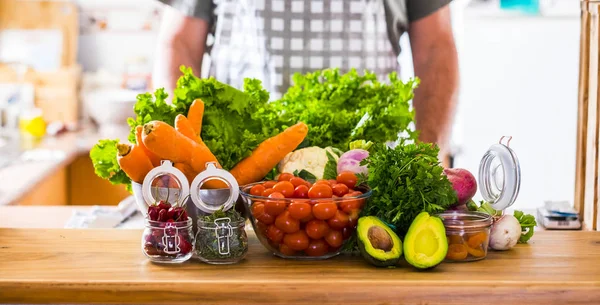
273	39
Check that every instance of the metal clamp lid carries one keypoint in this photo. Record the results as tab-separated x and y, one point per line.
214	173
500	175
168	174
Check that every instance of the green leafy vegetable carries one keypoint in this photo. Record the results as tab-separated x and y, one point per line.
210	237
405	181
104	158
306	175
360	144
528	224
330	171
341	108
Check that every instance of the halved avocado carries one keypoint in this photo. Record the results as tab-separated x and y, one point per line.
425	244
378	244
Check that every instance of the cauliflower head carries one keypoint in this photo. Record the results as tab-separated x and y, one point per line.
311	159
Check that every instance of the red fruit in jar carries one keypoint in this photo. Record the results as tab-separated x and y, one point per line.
285	177
275	207
284	187
164	205
297	241
269	184
257	190
274	234
347	178
317	248
324	210
150	249
286	223
185	246
300	210
285	250
163	215
334	238
339	220
301	191
171	213
258	211
353	218
153	213
316	229
320	190
268	192
297	181
340	189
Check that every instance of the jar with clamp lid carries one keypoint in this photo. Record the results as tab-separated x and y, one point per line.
168	235
468	232
221	237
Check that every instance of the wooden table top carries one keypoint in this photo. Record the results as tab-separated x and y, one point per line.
107	266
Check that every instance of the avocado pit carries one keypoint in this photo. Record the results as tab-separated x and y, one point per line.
380	239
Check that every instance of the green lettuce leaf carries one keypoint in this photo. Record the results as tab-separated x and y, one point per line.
528	224
104	159
330	171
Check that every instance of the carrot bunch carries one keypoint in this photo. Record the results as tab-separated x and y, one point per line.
183	146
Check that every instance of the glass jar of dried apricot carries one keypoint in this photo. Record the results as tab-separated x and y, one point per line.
468	235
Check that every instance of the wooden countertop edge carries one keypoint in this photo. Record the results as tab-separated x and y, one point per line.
368	292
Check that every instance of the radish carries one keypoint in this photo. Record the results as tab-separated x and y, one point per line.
505	233
463	183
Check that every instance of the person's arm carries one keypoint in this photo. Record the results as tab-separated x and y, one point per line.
181	41
436	63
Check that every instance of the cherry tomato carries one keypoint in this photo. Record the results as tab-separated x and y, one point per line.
349	205
307	218
274	234
286	223
285	250
317	248
320	191
296	181
301	191
316	229
296	241
340	189
346	233
275	207
261	227
257	190
269	184
353	218
258	210
284	187
324	210
332	182
285	177
339	221
334	238
326	182
268	192
300	210
347	178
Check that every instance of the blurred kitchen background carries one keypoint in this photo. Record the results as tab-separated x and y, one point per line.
78	63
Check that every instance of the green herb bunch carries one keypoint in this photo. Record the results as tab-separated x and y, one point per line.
405	181
207	241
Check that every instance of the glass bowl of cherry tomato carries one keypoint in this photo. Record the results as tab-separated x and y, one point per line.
297	219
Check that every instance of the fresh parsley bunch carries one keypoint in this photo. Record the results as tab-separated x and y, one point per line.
405	181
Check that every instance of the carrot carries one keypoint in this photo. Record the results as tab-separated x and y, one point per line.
169	144
187	170
133	161
195	115
154	159
182	124
266	156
